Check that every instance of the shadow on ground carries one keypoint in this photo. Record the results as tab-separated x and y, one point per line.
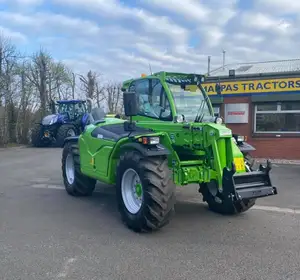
187	214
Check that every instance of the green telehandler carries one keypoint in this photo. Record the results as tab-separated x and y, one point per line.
170	138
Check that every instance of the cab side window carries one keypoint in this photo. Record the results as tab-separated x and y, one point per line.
142	89
160	102
152	99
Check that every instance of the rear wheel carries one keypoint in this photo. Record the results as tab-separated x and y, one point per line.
221	204
75	182
145	192
66	130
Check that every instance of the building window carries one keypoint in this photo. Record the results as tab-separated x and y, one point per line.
282	117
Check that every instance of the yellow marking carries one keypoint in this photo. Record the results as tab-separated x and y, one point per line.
239	164
92	161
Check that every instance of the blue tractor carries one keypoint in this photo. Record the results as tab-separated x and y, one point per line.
68	118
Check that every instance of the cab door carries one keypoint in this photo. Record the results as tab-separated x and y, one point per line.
153	102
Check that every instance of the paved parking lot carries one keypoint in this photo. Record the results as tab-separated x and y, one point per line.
46	234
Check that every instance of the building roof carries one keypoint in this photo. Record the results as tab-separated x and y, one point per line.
254	68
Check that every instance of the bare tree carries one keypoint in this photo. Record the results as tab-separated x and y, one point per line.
100	94
71	82
27	104
88	84
113	97
37	75
60	80
8	62
49	78
92	87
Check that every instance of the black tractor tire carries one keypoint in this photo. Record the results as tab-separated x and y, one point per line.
81	185
159	192
36	139
224	205
62	134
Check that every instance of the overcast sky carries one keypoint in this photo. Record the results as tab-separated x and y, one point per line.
120	38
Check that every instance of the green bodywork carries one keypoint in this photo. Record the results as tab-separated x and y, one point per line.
199	151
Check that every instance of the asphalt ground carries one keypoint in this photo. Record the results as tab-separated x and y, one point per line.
46	234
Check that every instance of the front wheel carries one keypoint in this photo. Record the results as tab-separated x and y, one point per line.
76	183
145	192
66	130
35	137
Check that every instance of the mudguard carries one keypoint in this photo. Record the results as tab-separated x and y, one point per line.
245	147
73	139
147	151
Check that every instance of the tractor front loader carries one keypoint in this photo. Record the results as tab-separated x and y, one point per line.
172	139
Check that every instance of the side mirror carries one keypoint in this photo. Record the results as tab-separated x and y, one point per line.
218	89
130	104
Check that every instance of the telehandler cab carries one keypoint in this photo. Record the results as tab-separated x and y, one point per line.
172	138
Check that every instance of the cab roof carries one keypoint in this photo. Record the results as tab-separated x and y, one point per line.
167	76
72	101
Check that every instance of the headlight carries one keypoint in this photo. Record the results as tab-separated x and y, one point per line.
218	120
152	140
179	119
240	138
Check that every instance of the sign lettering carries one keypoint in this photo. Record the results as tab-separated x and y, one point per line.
237	113
256	86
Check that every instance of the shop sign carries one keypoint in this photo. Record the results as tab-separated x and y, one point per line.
237	113
255	86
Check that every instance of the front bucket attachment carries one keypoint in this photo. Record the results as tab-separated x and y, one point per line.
249	185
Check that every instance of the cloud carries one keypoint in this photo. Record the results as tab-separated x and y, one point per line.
194	11
190	9
29	2
212	35
264	22
279	6
120	40
114	9
23	3
15	36
49	22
